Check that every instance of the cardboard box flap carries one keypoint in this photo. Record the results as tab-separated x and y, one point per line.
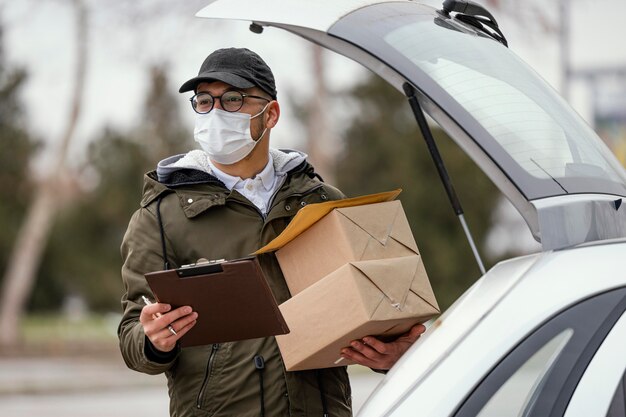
409	279
422	288
396	289
310	214
382	225
377	225
401	232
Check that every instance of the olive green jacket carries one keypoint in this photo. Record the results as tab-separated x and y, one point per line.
203	219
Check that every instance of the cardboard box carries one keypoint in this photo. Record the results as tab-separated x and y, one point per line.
353	269
384	297
372	231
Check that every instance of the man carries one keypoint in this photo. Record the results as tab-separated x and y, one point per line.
225	201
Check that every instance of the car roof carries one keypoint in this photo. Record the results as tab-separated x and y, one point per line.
555	170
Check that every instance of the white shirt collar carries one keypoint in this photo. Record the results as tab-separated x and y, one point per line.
267	175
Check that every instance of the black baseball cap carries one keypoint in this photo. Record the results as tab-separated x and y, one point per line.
239	67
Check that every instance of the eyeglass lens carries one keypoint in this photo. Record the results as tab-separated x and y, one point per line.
231	101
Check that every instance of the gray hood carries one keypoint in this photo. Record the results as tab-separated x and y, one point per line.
284	161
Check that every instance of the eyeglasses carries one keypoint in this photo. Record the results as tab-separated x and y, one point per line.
231	101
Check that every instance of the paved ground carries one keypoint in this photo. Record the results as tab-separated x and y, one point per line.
92	387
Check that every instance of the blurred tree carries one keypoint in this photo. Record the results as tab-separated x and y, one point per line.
320	135
16	149
59	186
384	150
162	131
32	237
88	264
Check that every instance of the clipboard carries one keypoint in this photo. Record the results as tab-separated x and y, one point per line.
232	299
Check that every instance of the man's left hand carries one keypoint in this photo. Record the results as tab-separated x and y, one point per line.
376	354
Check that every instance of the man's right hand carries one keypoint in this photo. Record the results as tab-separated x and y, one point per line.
155	319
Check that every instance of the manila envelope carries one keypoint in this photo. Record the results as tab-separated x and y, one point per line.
383	297
310	214
372	231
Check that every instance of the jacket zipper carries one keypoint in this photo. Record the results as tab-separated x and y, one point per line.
216	346
271	200
207	374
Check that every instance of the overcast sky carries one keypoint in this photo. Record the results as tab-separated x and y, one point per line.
39	36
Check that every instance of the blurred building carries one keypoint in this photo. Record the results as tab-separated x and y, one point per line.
608	91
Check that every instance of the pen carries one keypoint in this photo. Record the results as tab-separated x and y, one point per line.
157	315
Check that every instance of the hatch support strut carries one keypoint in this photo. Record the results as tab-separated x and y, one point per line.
441	169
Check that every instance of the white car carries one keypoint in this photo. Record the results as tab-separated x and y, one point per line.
540	335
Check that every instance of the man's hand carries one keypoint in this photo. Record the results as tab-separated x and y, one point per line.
155	319
376	354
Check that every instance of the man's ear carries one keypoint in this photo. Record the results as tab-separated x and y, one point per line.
272	114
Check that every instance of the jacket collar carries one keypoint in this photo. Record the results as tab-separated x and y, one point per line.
283	161
214	189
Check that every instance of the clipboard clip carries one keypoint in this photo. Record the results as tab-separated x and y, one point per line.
203	261
202	267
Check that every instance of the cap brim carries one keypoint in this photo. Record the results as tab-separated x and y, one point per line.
226	77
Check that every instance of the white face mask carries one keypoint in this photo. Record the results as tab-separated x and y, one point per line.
225	136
